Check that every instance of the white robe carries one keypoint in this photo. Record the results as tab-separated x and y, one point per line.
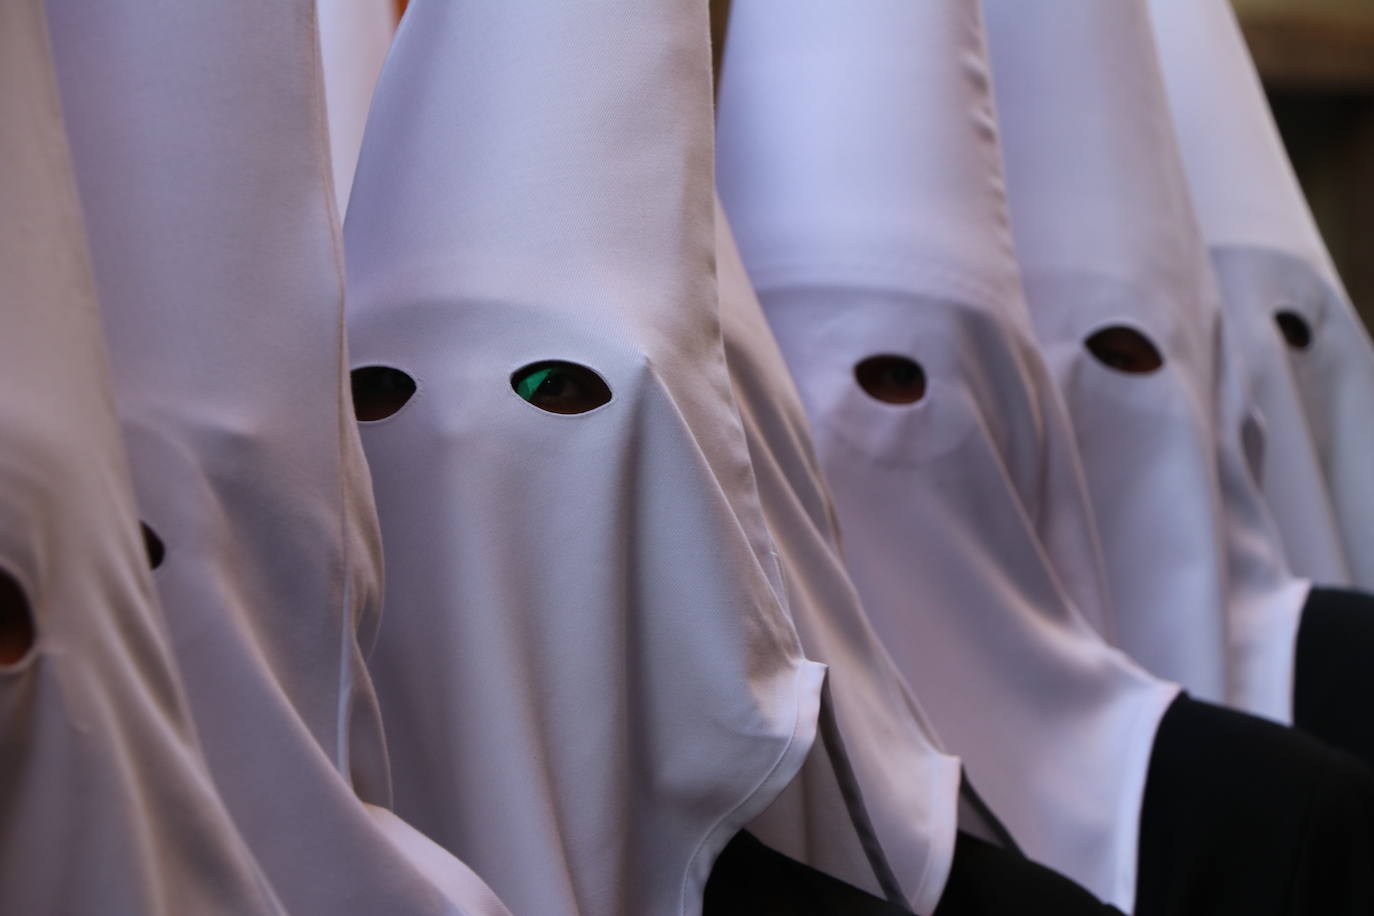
1106	237
860	169
108	803
198	134
589	680
1316	403
909	788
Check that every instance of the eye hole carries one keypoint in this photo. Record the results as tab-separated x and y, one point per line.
379	391
16	621
1295	329
153	545
560	387
1125	350
891	379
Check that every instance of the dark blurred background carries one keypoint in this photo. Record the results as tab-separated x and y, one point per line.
1317	60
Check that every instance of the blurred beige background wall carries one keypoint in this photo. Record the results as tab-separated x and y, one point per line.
1317	61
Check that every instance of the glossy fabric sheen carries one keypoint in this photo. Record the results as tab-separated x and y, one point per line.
909	787
1106	236
1317	404
860	169
199	139
589	678
107	802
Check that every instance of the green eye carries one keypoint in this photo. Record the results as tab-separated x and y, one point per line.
560	387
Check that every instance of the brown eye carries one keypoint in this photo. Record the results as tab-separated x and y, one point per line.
560	387
1125	350
16	621
379	391
1295	329
153	545
891	379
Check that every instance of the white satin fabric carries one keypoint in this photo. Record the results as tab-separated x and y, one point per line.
859	166
107	801
589	679
1317	403
1106	236
200	147
909	787
354	38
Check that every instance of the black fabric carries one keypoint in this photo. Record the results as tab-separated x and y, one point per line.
1243	816
986	880
1333	681
749	879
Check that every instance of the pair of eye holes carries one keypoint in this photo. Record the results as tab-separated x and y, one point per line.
895	379
554	385
17	631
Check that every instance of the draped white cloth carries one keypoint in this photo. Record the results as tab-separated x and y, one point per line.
909	788
198	134
108	803
860	169
588	673
1317	402
1107	238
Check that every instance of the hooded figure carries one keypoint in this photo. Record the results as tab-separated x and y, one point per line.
202	162
354	38
1282	293
1130	322
589	680
106	800
1118	281
860	168
907	787
1311	365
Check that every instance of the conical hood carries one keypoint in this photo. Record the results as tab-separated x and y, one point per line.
198	137
860	169
907	178
586	662
108	803
1129	318
1314	375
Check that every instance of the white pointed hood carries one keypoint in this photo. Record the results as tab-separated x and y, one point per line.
908	788
1317	399
354	38
201	154
109	806
859	166
1107	241
589	679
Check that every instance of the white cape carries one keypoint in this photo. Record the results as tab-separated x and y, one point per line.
199	139
108	803
590	683
1317	400
860	170
1107	239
